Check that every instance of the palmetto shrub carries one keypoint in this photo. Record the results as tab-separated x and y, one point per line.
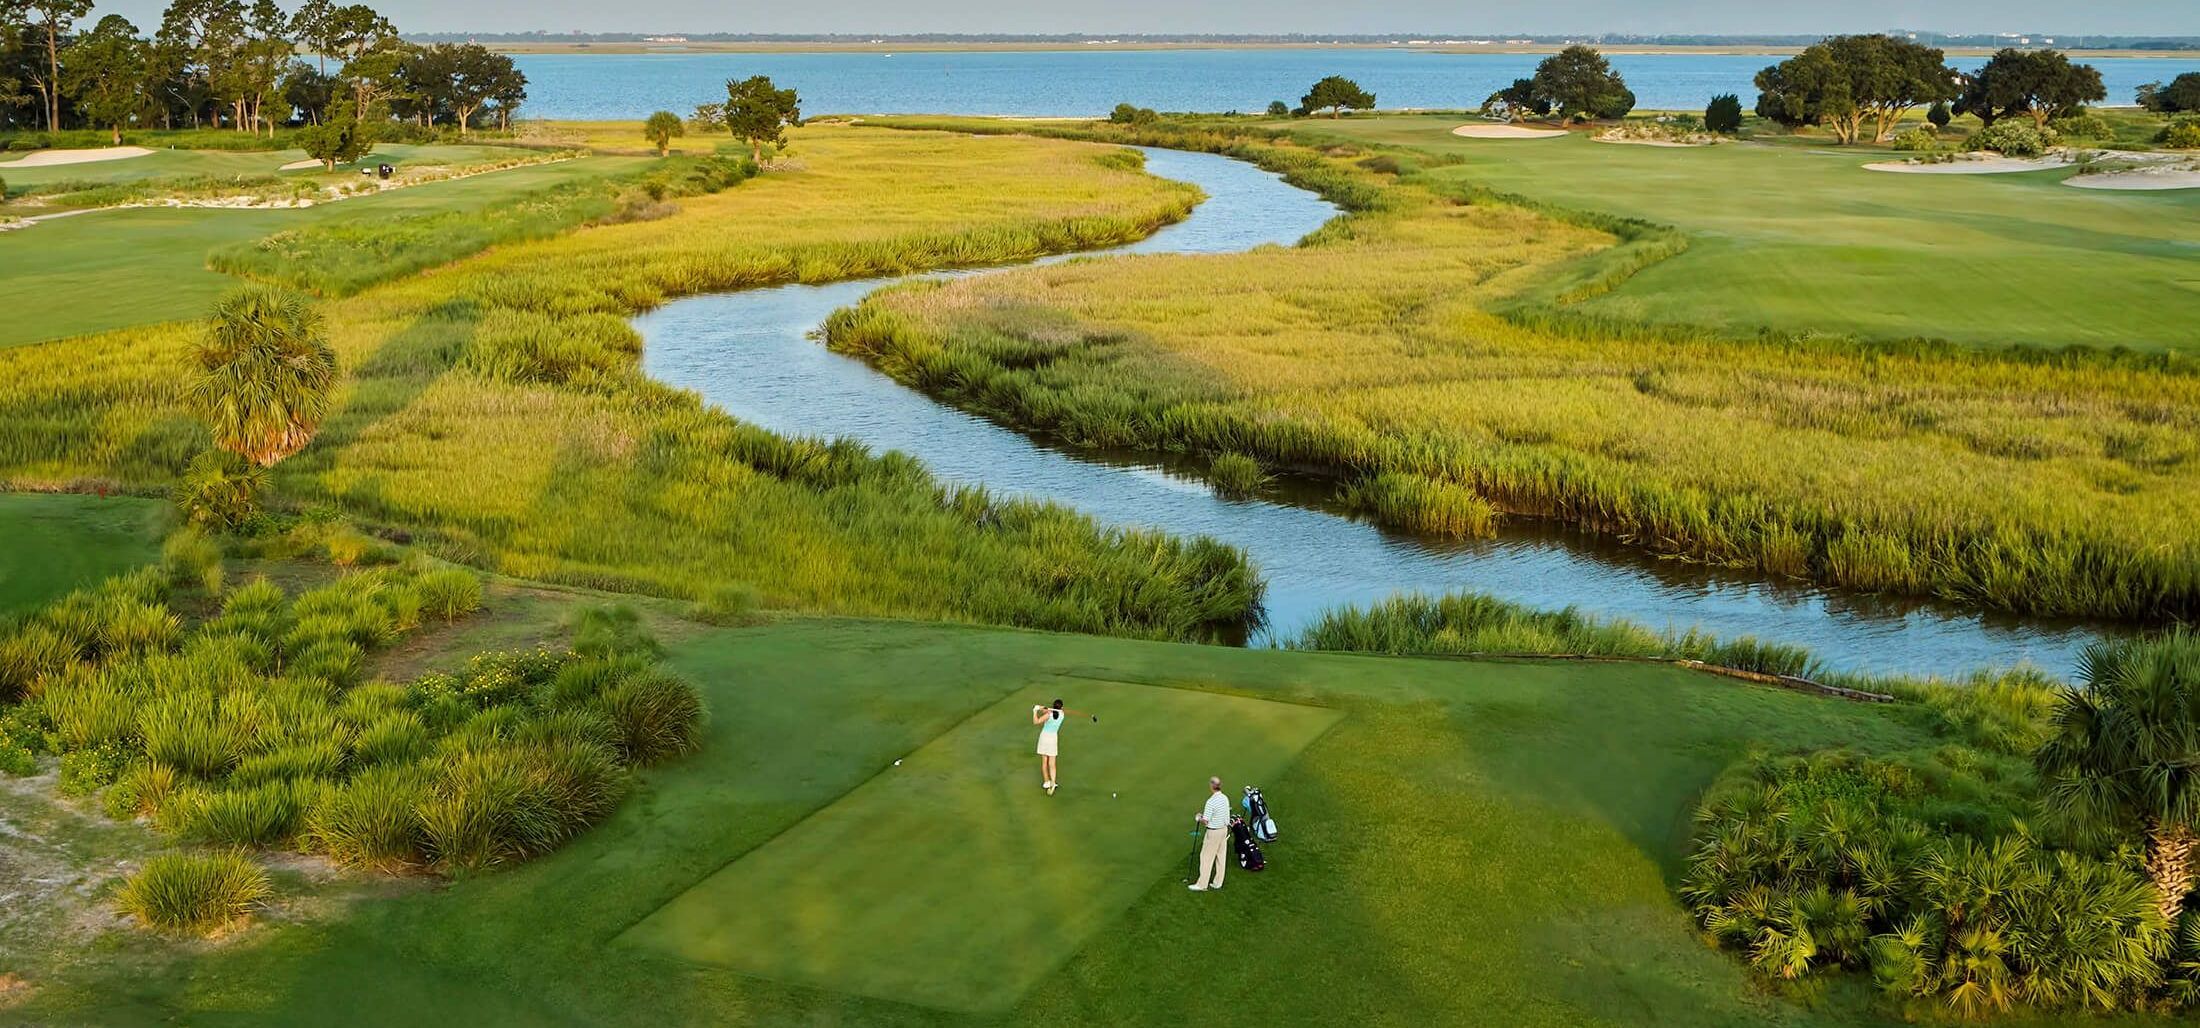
194	892
1919	871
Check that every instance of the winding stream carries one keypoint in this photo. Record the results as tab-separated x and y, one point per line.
753	354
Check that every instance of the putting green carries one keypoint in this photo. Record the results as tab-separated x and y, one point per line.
952	880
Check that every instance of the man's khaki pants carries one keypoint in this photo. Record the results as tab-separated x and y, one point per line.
1214	857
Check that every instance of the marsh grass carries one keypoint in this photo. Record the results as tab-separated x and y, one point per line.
1236	475
493	409
1423	348
2003	710
1424	505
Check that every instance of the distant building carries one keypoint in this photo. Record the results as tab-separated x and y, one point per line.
664	39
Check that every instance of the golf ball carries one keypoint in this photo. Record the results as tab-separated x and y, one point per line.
897	763
1111	795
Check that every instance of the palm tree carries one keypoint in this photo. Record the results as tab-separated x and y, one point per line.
661	128
2124	755
265	373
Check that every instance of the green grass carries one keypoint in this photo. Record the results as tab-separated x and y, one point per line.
112	269
1468	837
56	542
1798	237
951	880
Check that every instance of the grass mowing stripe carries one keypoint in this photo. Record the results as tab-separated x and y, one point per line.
59	541
953	881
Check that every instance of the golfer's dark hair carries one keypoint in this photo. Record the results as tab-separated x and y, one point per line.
1057	704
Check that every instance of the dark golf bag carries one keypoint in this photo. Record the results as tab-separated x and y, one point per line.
1256	814
1248	850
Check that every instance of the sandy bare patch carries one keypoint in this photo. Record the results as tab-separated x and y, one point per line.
1971	166
2139	178
1506	132
300	165
54	158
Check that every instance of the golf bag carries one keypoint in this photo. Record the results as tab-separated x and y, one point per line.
1256	814
1247	849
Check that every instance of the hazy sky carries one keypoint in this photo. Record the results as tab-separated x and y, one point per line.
1417	17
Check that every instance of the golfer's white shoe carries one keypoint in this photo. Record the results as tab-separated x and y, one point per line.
1199	888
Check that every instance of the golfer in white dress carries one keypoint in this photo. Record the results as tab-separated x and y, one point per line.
1049	720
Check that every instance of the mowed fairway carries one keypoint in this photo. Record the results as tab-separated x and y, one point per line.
114	269
1468	843
952	880
52	543
1806	240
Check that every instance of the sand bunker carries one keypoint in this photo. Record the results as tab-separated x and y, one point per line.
1506	132
300	165
2139	178
1972	166
1650	142
52	158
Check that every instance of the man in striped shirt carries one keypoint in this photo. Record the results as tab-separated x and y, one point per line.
1214	850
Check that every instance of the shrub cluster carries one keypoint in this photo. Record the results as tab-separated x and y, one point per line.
2010	138
254	728
2082	125
1917	870
2181	134
1132	114
1921	139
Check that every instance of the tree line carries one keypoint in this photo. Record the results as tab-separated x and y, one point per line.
1851	84
227	64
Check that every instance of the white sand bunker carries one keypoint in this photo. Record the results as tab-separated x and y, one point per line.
1971	166
301	165
1647	142
2139	178
52	158
1506	132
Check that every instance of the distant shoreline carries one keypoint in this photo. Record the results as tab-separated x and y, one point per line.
1046	46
